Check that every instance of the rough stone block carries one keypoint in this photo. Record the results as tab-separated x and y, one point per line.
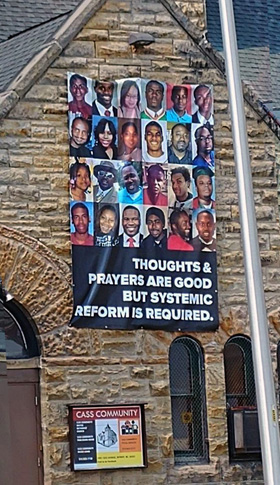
53	374
159	388
112	49
118	72
4	157
103	21
59	433
142	372
168	31
14	127
61	391
93	35
80	48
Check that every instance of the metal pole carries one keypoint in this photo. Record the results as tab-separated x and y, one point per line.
267	411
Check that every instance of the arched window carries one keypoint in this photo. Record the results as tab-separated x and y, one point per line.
243	430
188	404
239	372
20	340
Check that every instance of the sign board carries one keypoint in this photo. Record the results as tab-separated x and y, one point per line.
142	210
110	436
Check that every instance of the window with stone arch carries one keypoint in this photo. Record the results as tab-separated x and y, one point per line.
188	402
18	339
239	372
242	413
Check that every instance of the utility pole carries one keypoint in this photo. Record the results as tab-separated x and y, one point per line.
267	411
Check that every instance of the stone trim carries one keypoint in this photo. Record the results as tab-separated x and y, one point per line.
37	278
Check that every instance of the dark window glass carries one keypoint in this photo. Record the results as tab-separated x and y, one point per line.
20	341
234	359
242	416
239	372
188	406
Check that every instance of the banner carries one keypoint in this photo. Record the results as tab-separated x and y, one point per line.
142	209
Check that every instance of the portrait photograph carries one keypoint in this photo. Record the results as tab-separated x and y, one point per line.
153	100
154	141
155	184
79	95
81	223
129	98
129	140
105	138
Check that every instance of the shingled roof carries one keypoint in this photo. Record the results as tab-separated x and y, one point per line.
26	26
258	37
18	16
16	52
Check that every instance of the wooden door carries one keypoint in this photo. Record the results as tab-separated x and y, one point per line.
25	426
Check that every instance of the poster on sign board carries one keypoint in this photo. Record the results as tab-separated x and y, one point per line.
142	204
110	436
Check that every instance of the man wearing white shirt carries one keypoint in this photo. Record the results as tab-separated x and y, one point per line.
203	99
154	97
156	148
205	225
102	106
131	238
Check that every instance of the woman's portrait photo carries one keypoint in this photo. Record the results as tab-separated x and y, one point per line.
80	181
105	138
129	100
106	225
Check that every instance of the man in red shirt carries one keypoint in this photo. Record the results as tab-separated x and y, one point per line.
156	179
78	90
180	226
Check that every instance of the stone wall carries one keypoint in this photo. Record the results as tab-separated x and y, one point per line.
95	366
195	11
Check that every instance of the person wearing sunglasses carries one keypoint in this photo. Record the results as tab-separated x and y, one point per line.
204	142
106	175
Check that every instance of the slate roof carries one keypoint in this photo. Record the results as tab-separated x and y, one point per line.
26	25
16	52
20	15
258	37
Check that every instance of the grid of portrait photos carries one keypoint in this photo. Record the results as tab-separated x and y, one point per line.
142	167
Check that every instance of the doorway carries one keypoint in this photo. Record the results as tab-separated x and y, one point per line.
21	388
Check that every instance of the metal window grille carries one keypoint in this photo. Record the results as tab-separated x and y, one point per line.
239	372
243	431
188	402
